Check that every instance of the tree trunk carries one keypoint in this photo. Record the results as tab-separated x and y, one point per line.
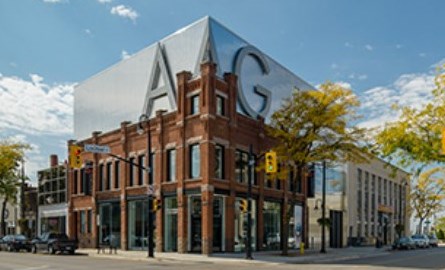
420	225
3	227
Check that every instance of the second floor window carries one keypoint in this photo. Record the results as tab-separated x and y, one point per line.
220	105
116	174
171	165
194	101
219	161
141	172
195	161
109	176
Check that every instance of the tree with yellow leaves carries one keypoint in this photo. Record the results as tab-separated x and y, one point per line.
428	194
414	140
10	156
313	126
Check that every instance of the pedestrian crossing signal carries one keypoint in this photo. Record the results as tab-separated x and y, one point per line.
75	156
271	162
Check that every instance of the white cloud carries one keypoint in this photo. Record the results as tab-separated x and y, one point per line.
369	47
55	1
88	32
33	107
412	90
125	12
362	77
344	84
422	54
104	1
125	55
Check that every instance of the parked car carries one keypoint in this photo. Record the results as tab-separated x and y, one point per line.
421	240
404	243
54	242
433	241
15	242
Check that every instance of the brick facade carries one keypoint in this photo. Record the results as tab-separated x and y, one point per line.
178	130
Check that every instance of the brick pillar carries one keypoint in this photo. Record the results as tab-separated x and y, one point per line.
230	224
182	222
207	220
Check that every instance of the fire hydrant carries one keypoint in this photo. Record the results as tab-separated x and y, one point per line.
301	248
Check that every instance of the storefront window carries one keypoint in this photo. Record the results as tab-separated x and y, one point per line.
296	227
171	224
272	225
110	223
241	226
53	224
137	224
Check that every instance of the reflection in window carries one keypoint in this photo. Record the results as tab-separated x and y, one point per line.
219	161
195	161
194	105
219	105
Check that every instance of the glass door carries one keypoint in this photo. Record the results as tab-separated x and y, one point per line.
195	225
171	224
218	232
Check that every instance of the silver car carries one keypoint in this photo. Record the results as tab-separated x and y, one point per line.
421	240
433	241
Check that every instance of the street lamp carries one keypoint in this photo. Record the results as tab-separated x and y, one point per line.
140	130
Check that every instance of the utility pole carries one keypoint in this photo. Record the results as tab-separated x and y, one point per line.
150	246
323	211
249	205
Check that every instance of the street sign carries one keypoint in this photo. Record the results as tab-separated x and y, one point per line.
151	190
98	149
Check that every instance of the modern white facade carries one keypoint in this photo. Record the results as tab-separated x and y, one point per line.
146	82
364	202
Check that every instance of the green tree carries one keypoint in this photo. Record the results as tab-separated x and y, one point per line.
428	194
10	156
313	126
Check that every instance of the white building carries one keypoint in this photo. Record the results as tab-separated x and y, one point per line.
363	201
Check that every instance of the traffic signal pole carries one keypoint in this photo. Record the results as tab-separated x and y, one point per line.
249	205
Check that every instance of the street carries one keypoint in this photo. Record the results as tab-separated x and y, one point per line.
417	259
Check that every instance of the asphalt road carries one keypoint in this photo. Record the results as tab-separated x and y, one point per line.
418	259
432	258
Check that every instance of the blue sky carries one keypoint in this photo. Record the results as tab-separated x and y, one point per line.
385	51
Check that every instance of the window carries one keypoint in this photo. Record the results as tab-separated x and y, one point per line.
109	176
241	166
220	105
90	221
83	222
141	172
132	172
75	173
116	174
195	161
171	165
82	180
101	177
219	161
194	105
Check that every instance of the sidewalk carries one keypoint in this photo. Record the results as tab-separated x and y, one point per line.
270	257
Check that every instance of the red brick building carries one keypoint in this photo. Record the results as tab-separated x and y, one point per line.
199	164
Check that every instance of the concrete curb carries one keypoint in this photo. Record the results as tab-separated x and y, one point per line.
258	259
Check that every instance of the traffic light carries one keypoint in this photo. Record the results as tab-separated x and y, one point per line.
243	205
156	205
75	156
271	162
